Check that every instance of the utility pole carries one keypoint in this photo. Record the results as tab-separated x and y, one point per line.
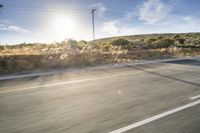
93	25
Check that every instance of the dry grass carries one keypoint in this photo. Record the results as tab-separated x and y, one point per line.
38	62
41	57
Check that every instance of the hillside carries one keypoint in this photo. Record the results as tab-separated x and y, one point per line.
70	53
188	37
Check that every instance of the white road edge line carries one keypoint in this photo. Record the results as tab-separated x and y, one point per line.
61	83
148	120
195	97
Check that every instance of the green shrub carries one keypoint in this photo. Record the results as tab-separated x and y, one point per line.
121	42
150	40
82	45
2	47
181	40
72	43
161	37
82	42
176	36
164	43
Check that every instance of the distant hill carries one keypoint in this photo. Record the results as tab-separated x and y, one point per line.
145	36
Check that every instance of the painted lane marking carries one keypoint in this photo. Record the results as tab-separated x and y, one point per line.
148	120
61	83
195	97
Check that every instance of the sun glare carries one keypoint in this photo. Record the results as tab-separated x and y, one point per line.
64	24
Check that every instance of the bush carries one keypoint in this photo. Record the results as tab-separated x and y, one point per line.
72	43
2	47
121	42
160	37
164	43
181	40
83	42
150	40
82	45
176	36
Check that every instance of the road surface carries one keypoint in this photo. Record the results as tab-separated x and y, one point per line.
154	98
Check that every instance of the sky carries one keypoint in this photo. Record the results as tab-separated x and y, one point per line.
47	21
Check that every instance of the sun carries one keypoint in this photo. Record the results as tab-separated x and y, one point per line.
64	25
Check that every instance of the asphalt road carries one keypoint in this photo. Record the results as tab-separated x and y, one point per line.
105	100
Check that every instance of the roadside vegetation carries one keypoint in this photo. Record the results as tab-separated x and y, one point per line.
70	53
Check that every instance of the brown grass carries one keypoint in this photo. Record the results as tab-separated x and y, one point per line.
42	57
38	62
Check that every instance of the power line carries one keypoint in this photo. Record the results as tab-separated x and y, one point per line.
47	9
35	8
73	11
116	13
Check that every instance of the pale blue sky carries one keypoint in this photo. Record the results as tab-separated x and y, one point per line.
56	20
